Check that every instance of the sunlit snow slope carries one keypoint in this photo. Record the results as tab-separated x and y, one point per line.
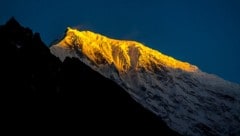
188	100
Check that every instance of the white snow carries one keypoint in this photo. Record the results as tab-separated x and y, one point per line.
190	102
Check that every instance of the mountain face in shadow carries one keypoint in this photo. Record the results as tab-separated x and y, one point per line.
42	93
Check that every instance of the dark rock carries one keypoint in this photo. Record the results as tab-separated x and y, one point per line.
44	93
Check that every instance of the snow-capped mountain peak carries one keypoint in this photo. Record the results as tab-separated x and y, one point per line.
125	55
188	100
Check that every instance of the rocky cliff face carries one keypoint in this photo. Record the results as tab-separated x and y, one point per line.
43	94
188	100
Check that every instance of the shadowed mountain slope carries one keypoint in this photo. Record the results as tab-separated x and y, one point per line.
41	93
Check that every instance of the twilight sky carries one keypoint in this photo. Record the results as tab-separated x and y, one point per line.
205	33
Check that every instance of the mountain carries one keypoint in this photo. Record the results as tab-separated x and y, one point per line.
190	101
44	95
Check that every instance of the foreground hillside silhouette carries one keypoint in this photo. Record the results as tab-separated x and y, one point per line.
42	93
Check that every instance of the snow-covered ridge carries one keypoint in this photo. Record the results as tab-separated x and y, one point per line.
125	55
188	100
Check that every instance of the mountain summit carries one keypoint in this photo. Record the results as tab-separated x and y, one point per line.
124	55
190	101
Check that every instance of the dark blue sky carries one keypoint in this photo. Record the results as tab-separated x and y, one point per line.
203	32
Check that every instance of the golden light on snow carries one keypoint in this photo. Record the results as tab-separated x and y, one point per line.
125	55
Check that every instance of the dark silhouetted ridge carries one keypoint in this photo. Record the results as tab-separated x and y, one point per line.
40	93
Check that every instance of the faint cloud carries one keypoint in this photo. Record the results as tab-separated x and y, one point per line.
83	26
132	35
79	27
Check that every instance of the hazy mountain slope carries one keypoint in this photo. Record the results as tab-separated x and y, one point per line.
188	100
42	94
